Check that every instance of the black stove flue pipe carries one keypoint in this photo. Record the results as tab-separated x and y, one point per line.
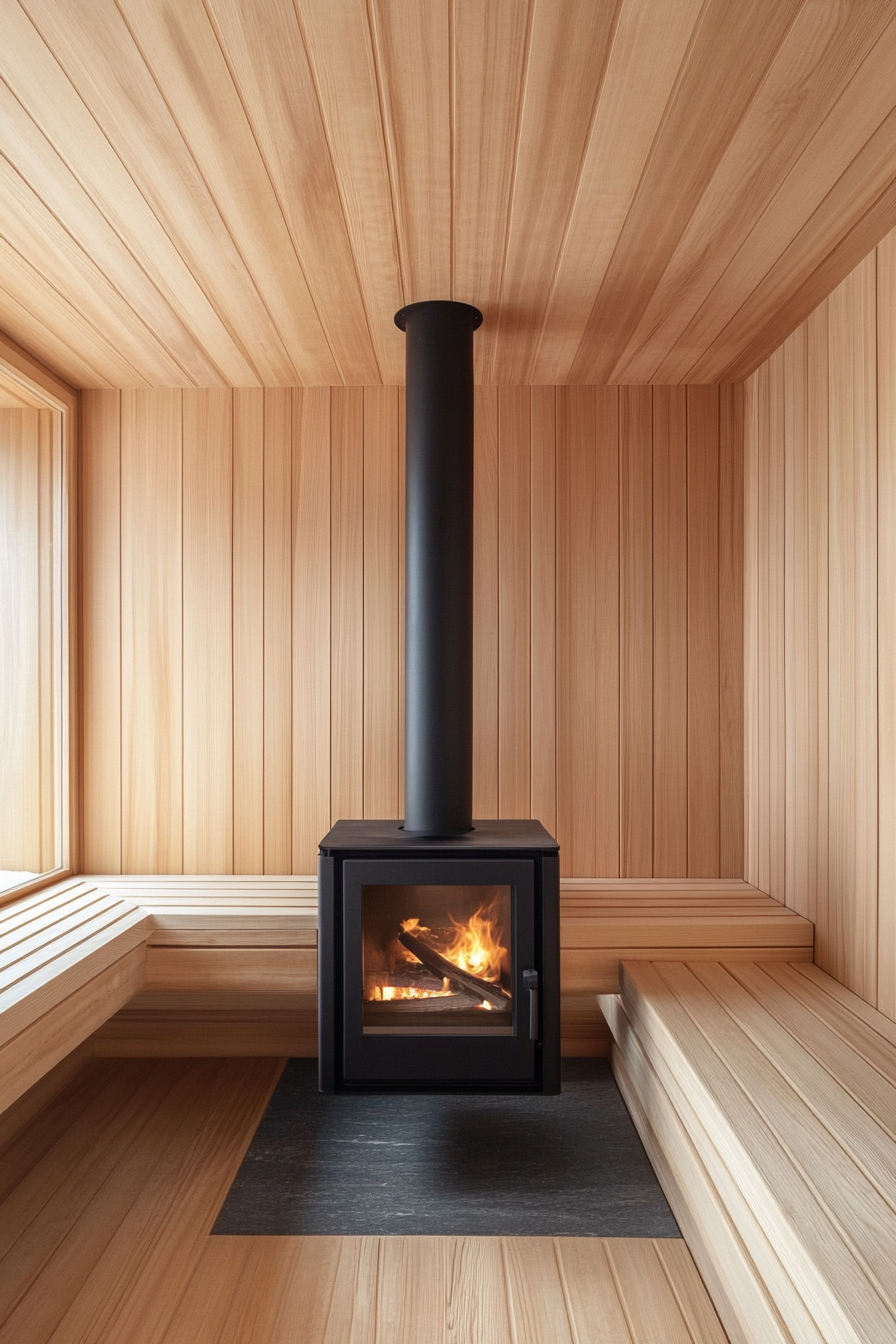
439	554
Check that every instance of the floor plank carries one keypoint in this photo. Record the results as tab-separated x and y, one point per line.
107	1242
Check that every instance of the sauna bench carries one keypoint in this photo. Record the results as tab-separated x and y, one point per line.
227	965
71	955
765	1095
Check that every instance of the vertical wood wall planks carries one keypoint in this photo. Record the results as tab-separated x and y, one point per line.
381	602
543	561
100	632
752	630
774	523
731	630
636	631
248	630
347	603
846	948
485	602
703	631
670	632
311	595
825	709
886	597
151	627
817	378
796	621
208	629
577	629
277	630
514	611
588	629
593	625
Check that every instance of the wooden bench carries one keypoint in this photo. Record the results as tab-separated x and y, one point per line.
231	964
70	956
228	964
766	1098
604	922
231	968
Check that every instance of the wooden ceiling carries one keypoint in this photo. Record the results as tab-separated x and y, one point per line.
244	191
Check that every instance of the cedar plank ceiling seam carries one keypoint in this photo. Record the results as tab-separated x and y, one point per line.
226	192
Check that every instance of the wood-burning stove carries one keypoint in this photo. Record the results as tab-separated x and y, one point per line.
439	939
439	960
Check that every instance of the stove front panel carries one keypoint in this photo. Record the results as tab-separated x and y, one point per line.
438	971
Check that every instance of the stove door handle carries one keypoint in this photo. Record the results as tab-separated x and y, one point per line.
530	981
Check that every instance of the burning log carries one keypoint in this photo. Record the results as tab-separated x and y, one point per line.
442	967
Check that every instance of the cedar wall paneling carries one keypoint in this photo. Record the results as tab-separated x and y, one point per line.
820	627
242	608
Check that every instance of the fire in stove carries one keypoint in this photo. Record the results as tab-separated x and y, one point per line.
439	962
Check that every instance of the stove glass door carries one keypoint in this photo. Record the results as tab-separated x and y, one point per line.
434	961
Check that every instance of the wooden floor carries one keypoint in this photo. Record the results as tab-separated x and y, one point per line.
109	1194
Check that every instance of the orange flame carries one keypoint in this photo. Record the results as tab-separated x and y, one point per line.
477	945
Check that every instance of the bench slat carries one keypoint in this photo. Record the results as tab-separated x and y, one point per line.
749	1285
852	1204
22	1004
870	1092
38	964
43	903
32	941
871	1017
872	1047
836	1289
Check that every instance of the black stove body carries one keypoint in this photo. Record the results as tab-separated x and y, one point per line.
439	959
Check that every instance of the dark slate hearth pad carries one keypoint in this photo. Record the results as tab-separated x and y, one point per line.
564	1166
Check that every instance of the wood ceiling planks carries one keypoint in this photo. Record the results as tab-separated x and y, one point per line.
214	192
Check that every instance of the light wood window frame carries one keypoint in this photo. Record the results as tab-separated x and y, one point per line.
28	383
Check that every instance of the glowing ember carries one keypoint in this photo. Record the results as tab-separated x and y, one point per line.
385	993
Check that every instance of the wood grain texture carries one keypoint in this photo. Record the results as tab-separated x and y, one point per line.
703	627
278	435
752	1089
670	632
106	1237
208	620
232	969
347	604
152	630
216	193
514	603
248	630
100	565
39	1047
486	602
311	592
543	579
886	596
818	467
381	601
636	654
606	607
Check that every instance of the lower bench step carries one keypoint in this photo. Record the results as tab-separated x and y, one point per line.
777	1163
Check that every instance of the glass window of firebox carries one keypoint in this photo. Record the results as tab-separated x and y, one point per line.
438	959
33	575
